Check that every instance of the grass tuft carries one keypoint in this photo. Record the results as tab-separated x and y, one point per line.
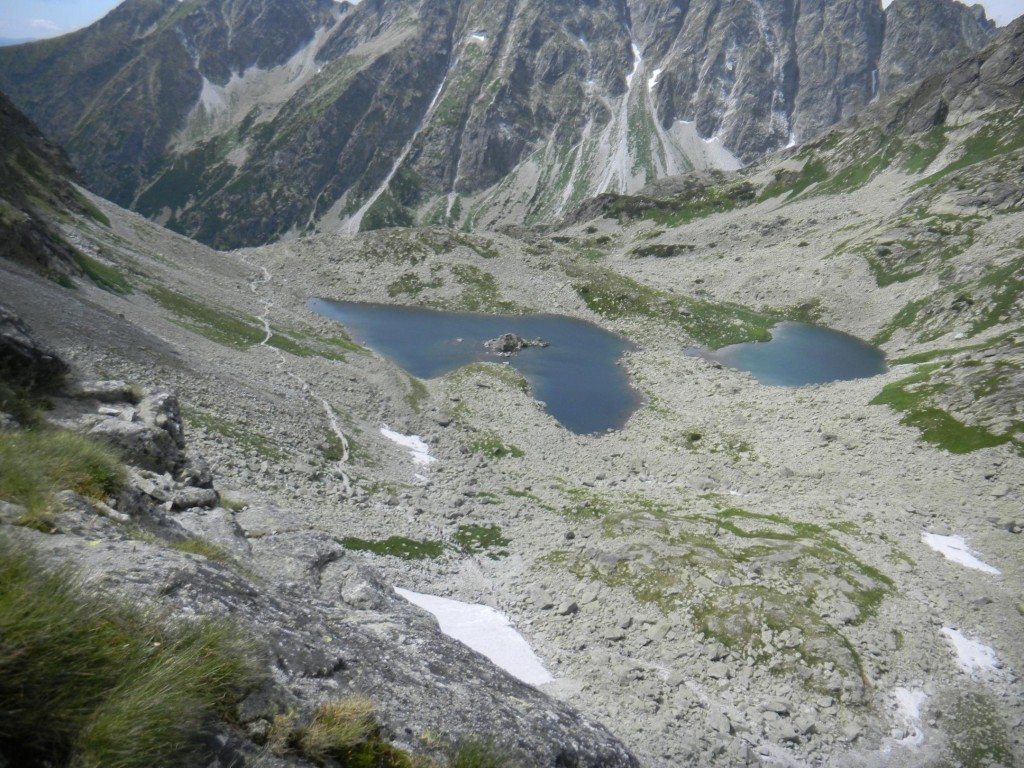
93	682
475	752
36	464
343	732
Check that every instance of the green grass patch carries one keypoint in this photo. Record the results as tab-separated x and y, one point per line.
396	546
92	211
412	285
913	397
220	326
482	539
35	464
696	200
493	447
248	440
205	549
905	318
794	182
480	291
925	148
585	504
1004	286
478	752
503	375
713	324
417	394
89	681
1002	133
240	331
662	251
102	275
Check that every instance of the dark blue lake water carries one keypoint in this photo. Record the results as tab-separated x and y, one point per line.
801	354
576	377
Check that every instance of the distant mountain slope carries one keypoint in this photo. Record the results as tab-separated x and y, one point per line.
240	122
36	188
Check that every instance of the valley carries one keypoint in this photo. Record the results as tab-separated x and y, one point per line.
741	574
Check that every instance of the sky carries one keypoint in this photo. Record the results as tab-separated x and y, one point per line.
46	18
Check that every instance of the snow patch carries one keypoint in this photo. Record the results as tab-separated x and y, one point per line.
955	548
971	655
486	631
652	81
637	58
418	449
908	706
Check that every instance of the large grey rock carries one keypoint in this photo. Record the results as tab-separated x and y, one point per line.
421	681
23	361
509	343
140	444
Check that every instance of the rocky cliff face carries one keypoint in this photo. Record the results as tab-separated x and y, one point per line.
927	36
449	111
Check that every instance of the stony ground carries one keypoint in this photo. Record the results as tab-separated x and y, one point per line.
737	575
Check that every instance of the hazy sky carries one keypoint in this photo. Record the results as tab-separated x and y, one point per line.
46	18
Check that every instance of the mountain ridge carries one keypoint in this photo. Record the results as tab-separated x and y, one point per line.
463	113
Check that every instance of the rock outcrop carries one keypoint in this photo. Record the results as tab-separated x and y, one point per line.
23	362
923	37
509	343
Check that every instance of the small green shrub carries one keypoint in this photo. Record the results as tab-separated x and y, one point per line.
337	727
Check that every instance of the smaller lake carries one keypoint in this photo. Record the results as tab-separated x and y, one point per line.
800	354
576	376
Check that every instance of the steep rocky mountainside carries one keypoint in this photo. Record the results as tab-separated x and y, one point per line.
37	186
450	111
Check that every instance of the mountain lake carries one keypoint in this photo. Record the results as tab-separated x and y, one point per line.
578	377
800	354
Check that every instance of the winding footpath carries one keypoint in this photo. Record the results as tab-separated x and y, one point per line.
339	467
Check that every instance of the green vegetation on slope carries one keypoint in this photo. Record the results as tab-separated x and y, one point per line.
697	200
917	398
791	576
712	324
93	682
36	464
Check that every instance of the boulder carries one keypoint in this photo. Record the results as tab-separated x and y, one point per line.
144	446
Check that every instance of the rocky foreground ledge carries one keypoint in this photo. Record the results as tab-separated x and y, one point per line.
326	624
